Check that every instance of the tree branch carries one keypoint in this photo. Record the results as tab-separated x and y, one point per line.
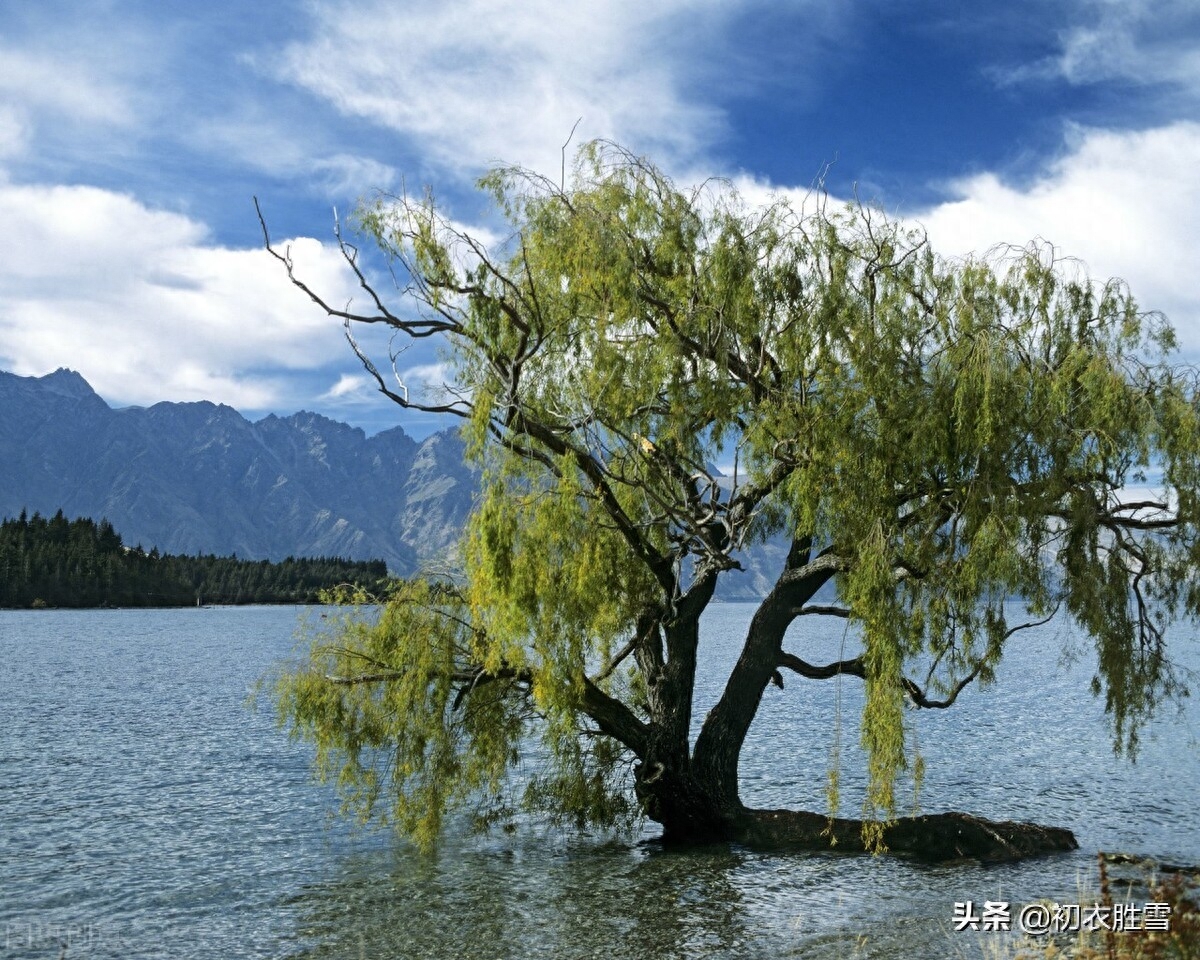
356	679
920	698
853	668
823	611
615	719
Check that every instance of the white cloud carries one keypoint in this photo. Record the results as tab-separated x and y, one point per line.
428	381
148	309
73	86
1127	204
350	387
489	80
14	131
347	175
1136	41
63	92
270	145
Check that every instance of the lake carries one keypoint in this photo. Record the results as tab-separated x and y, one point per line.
147	811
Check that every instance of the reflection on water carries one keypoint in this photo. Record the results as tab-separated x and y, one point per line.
532	900
145	812
587	900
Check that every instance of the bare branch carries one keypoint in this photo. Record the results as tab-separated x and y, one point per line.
356	679
853	668
615	718
920	698
827	563
822	611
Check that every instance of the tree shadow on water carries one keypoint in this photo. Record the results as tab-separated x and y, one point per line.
547	898
527	899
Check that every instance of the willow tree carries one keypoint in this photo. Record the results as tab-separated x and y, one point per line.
935	437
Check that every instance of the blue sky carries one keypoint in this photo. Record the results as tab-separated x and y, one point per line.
133	135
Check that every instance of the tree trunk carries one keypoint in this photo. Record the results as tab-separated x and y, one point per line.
936	837
692	813
695	797
719	745
687	812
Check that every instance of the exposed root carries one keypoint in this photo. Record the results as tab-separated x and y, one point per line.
934	837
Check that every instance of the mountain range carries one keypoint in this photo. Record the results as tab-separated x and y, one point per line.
200	478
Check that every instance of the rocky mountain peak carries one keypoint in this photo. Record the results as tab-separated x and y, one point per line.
199	477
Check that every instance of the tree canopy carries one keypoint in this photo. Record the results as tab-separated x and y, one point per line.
934	436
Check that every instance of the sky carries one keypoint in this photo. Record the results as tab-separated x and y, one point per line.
134	135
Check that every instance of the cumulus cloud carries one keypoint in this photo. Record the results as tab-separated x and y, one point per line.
145	306
1125	203
487	80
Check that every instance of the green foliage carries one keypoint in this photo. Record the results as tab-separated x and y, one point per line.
937	437
411	727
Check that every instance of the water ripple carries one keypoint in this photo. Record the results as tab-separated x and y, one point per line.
146	812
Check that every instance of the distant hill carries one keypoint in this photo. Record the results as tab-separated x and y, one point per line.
190	478
198	477
56	562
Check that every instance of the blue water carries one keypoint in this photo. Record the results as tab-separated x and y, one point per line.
146	811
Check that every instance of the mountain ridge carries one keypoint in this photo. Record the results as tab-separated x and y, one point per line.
198	477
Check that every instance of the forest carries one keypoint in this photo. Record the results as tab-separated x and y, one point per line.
58	562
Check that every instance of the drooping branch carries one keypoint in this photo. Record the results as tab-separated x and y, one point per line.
612	716
646	627
658	564
856	667
518	421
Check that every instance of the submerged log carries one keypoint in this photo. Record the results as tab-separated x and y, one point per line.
934	837
1150	865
